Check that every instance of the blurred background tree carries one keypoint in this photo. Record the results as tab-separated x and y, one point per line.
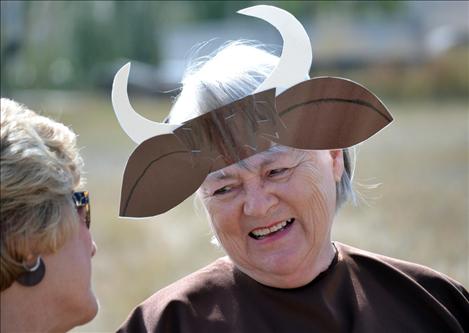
60	45
79	44
64	44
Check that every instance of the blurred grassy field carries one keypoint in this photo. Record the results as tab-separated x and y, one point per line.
419	213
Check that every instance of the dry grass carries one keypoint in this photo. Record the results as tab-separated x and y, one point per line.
419	213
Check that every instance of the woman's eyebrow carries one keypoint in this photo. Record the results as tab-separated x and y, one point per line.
267	161
220	175
269	157
223	176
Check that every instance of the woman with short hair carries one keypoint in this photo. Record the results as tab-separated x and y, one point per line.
46	245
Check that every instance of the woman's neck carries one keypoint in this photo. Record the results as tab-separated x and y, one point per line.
23	310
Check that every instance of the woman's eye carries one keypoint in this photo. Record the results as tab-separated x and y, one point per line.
276	172
222	190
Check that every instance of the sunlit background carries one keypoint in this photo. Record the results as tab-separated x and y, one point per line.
59	58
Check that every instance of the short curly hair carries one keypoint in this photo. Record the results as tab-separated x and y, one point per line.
40	168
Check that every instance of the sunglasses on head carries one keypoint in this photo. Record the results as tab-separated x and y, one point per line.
82	199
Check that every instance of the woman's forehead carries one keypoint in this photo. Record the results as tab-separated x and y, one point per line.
259	160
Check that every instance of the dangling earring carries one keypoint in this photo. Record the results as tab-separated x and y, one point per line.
33	275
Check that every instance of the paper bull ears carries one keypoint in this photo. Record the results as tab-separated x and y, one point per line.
321	113
172	161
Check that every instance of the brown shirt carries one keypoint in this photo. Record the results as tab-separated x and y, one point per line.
359	292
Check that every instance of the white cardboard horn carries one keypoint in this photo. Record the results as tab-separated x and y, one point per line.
296	58
137	127
293	68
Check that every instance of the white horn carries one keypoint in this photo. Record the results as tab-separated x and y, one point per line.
295	62
137	127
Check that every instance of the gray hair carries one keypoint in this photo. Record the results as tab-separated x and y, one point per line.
40	168
234	72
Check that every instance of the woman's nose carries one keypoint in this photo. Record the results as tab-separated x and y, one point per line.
258	201
94	248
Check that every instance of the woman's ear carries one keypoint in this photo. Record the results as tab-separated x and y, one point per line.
337	156
30	260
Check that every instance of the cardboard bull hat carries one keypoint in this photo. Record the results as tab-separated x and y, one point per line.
172	161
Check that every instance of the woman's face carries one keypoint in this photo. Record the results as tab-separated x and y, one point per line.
273	213
68	277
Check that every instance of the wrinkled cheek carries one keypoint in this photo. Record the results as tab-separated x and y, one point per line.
318	208
222	227
227	232
321	204
234	246
222	215
217	223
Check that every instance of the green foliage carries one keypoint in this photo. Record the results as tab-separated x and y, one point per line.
357	8
76	38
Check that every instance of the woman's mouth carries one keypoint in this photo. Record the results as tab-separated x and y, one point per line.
261	233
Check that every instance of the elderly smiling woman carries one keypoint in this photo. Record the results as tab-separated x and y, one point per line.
272	167
46	245
273	214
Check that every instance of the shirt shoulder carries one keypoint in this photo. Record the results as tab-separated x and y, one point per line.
419	273
185	301
404	275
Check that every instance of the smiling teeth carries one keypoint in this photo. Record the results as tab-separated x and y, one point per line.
265	231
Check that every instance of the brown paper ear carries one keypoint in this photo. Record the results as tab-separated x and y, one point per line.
160	174
329	113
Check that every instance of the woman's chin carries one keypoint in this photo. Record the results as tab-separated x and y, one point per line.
280	271
89	311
